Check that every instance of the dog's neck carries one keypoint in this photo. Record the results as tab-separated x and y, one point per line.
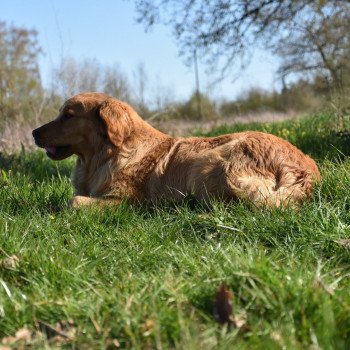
85	173
109	160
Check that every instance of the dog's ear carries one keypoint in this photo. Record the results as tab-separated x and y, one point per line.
117	119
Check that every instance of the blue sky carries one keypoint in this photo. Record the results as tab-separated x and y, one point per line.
106	30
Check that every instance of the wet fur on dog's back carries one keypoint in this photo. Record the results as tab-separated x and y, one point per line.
121	156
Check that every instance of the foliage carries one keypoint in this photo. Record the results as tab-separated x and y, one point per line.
140	277
319	44
198	107
301	96
21	93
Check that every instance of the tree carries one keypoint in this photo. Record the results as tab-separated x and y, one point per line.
20	84
189	109
318	45
73	77
116	84
140	79
224	30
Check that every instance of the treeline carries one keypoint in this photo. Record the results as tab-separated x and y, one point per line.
25	101
300	96
311	38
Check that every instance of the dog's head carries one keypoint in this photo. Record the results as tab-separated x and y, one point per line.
85	121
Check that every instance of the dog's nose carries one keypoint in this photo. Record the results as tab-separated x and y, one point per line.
35	133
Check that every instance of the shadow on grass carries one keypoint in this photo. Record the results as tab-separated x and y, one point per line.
333	146
31	181
45	197
35	165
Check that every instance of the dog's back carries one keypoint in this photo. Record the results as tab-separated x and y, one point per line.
250	165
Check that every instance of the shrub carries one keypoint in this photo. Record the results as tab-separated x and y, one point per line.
191	110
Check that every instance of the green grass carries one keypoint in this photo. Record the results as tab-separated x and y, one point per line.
147	276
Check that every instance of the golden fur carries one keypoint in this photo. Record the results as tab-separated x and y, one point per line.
121	156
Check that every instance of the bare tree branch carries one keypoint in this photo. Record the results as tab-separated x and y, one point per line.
224	31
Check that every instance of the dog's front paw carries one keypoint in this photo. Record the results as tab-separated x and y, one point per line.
80	201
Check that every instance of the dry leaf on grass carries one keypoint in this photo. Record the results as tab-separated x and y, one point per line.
223	305
96	325
62	333
240	322
63	330
23	336
9	263
223	310
111	344
147	327
345	242
277	336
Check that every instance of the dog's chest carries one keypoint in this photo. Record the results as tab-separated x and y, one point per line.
91	181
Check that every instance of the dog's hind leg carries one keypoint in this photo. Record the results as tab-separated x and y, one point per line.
287	189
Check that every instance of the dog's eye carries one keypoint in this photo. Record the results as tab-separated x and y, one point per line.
67	116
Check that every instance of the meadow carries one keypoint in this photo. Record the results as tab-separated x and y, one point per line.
137	277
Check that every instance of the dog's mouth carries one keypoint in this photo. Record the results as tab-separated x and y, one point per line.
58	152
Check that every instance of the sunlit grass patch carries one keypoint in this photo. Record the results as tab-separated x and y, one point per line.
145	277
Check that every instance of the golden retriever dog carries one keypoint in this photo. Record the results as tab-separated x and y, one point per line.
120	156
